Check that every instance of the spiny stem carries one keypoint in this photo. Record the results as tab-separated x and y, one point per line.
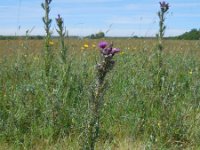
62	33
161	14
96	103
47	23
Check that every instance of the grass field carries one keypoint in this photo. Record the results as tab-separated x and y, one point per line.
40	112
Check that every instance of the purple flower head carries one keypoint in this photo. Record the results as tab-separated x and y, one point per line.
109	50
59	20
164	6
59	16
103	44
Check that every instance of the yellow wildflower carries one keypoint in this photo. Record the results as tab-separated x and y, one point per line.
93	45
159	124
51	43
35	58
86	45
190	72
122	53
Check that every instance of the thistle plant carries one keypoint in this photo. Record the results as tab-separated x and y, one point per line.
164	7
62	33
107	63
47	23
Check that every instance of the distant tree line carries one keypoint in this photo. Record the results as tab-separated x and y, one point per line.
193	34
98	35
37	37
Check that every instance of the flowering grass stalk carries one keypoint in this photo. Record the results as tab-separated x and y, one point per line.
62	33
164	7
47	23
102	68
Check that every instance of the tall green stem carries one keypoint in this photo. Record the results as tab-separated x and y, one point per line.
47	24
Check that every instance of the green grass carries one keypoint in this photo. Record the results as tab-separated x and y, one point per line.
39	112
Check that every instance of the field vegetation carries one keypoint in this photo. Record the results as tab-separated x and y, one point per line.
41	112
68	93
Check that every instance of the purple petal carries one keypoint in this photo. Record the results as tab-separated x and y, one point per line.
115	50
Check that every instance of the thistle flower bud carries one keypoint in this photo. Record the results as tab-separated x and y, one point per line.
59	20
164	6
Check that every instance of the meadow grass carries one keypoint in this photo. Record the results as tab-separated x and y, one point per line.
50	112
